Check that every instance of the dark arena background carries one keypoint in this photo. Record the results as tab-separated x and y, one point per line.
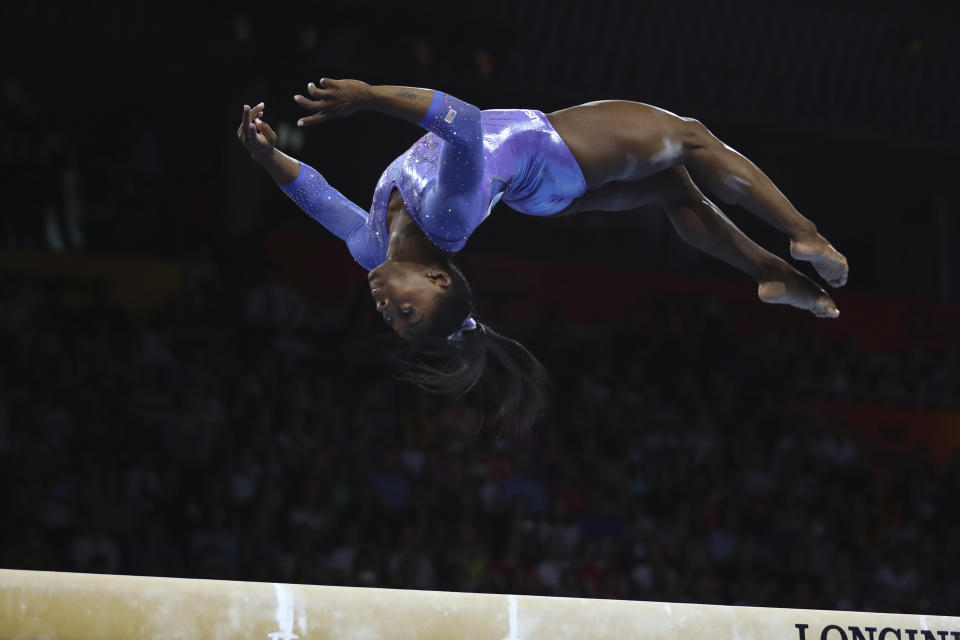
188	386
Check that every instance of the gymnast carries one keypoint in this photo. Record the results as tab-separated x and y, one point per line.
611	155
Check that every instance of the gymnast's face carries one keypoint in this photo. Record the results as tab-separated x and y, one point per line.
406	294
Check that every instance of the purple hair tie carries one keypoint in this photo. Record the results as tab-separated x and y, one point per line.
468	325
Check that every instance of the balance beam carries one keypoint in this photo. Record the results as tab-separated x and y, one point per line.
36	604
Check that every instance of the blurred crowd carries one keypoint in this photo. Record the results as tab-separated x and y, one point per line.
217	439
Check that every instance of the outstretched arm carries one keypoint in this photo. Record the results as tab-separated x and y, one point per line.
453	206
454	120
303	184
341	98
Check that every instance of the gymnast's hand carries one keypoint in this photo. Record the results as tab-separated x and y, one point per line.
255	134
333	99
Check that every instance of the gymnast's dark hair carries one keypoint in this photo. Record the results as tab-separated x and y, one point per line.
507	381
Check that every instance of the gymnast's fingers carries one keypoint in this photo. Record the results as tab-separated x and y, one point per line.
317	92
306	103
244	122
266	130
314	119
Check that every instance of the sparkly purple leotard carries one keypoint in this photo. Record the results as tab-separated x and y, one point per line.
451	178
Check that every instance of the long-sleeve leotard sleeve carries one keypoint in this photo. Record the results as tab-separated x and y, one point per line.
453	207
333	210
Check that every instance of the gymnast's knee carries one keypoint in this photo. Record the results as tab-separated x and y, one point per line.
695	135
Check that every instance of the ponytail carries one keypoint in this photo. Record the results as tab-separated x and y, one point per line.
454	358
508	382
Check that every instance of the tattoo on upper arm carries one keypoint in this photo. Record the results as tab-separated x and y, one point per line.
407	93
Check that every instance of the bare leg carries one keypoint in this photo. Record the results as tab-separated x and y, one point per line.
620	140
702	225
736	180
